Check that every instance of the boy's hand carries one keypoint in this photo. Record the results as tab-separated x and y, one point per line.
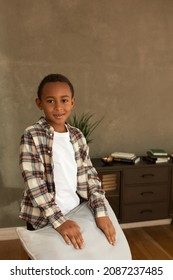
70	231
105	224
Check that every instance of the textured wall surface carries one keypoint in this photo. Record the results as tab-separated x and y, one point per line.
117	53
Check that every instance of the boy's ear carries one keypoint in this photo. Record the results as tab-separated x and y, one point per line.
38	103
73	101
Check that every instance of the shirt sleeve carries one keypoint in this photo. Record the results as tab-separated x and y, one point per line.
32	169
96	194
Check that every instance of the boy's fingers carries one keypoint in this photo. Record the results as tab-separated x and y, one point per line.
80	241
67	240
70	231
110	235
77	241
112	239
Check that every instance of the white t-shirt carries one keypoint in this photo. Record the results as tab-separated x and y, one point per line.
65	172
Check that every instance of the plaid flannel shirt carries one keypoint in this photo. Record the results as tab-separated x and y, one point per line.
38	205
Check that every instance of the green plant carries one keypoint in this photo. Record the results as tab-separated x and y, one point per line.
85	124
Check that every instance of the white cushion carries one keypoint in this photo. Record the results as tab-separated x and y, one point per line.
47	244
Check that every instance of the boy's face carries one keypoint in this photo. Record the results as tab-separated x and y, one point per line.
56	101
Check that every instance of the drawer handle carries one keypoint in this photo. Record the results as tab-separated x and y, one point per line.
147	193
146	211
147	175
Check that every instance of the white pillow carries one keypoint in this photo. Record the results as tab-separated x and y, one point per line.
47	244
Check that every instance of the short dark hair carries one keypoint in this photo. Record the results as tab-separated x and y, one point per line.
54	78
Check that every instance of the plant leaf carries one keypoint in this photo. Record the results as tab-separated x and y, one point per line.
85	124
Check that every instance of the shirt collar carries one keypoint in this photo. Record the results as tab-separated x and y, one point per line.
42	121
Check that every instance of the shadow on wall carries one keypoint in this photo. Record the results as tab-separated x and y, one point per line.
9	207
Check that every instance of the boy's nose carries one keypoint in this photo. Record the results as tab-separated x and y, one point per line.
58	106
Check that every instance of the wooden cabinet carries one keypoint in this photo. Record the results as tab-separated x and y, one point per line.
137	192
145	193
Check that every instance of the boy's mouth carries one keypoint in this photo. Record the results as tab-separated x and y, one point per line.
58	116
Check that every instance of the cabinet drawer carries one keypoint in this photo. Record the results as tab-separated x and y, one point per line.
146	175
142	212
142	194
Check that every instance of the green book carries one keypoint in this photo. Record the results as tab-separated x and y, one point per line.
158	152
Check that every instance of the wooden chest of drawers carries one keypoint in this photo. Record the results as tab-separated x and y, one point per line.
145	193
137	192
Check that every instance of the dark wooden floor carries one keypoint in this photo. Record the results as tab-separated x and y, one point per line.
151	243
146	243
12	250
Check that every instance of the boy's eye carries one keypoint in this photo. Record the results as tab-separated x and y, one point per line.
65	100
50	101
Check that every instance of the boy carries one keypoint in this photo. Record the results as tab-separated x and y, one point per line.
56	167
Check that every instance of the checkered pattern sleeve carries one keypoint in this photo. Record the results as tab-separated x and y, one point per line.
36	189
96	195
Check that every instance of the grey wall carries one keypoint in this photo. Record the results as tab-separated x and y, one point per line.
117	53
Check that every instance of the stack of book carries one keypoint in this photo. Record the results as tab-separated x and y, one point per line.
124	157
157	156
